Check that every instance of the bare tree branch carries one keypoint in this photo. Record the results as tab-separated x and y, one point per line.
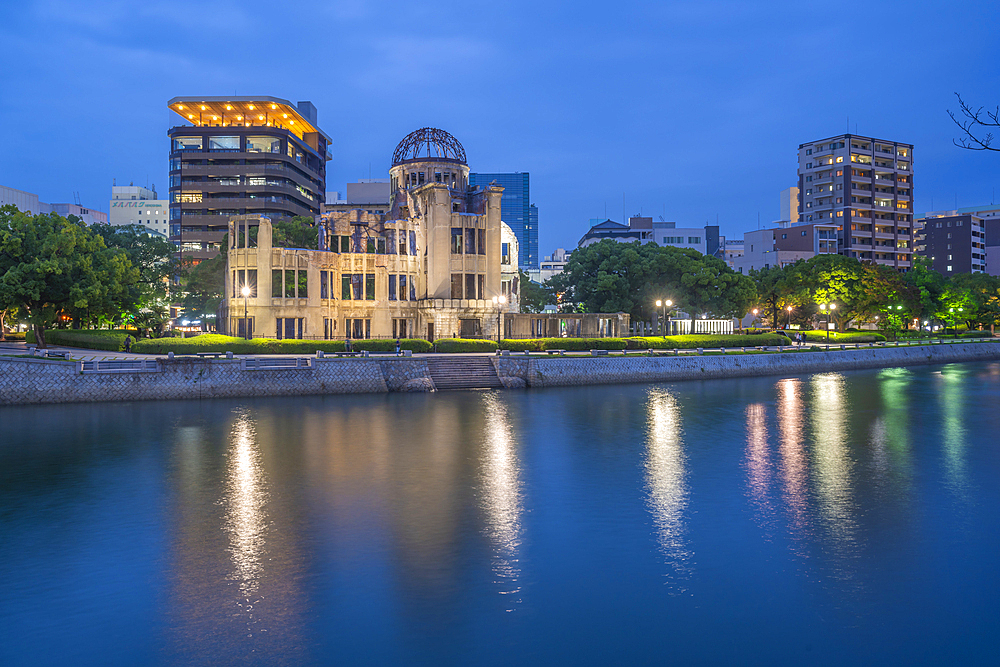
972	123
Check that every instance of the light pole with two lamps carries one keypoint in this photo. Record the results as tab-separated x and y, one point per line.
954	324
665	324
499	301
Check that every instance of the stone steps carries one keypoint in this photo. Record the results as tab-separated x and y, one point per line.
473	372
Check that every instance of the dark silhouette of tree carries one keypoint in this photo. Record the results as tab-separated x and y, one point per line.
974	122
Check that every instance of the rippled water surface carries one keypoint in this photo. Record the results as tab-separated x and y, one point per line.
823	519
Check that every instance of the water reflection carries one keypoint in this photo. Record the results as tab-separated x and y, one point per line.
758	460
794	467
245	520
502	497
951	396
833	466
666	480
889	433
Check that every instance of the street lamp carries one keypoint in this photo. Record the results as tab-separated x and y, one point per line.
499	301
665	323
828	309
954	324
788	319
754	311
246	322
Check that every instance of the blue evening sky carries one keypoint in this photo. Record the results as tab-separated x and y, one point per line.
692	110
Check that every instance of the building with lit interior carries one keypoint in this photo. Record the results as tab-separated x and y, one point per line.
135	205
516	210
431	267
238	156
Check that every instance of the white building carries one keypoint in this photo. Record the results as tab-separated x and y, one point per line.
26	202
645	230
134	205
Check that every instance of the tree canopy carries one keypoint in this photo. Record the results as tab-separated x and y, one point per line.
609	277
51	266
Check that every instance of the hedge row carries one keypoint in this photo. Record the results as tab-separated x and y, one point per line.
17	335
574	344
465	345
691	341
220	343
857	337
91	339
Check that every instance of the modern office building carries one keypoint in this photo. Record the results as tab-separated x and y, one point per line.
516	210
705	240
863	185
241	156
429	267
135	205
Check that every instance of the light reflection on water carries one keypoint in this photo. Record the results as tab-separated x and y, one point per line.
794	468
502	499
951	386
758	462
246	495
666	483
833	469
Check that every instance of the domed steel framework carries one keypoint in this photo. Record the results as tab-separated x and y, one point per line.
428	143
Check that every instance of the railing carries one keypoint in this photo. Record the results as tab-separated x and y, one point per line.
112	365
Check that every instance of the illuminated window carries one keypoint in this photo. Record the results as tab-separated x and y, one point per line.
263	145
187	143
224	143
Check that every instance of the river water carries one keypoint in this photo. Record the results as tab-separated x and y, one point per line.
819	519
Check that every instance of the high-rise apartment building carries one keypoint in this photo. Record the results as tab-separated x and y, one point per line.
865	186
135	205
241	156
517	211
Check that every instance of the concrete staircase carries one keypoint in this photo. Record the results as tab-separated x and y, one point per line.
455	372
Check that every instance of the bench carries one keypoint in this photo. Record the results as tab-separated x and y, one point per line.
561	353
214	355
61	355
347	354
598	353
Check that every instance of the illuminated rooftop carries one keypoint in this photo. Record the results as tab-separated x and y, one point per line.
244	112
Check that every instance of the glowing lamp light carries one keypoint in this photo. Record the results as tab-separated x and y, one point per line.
190	115
291	122
228	107
260	117
239	118
246	290
202	107
284	115
251	107
658	303
215	118
180	106
274	106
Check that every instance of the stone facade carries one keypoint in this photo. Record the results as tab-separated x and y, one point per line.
429	268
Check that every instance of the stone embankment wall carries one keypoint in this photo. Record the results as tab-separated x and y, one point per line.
29	381
558	372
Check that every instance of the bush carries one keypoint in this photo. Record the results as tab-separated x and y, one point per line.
465	345
91	339
17	335
691	341
387	345
839	338
575	344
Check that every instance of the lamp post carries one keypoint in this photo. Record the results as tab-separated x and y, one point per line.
665	322
828	309
788	319
754	311
954	323
499	301
246	323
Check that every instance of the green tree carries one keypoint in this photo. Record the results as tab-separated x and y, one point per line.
204	285
834	279
153	256
929	286
299	232
50	265
984	298
533	297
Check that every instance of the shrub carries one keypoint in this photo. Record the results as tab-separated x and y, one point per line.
691	341
465	345
387	345
91	339
839	338
576	344
17	335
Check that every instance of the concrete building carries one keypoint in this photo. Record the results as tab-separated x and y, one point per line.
863	185
954	244
733	250
88	215
789	204
705	240
259	156
516	210
135	205
784	245
26	202
369	195
428	268
552	265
